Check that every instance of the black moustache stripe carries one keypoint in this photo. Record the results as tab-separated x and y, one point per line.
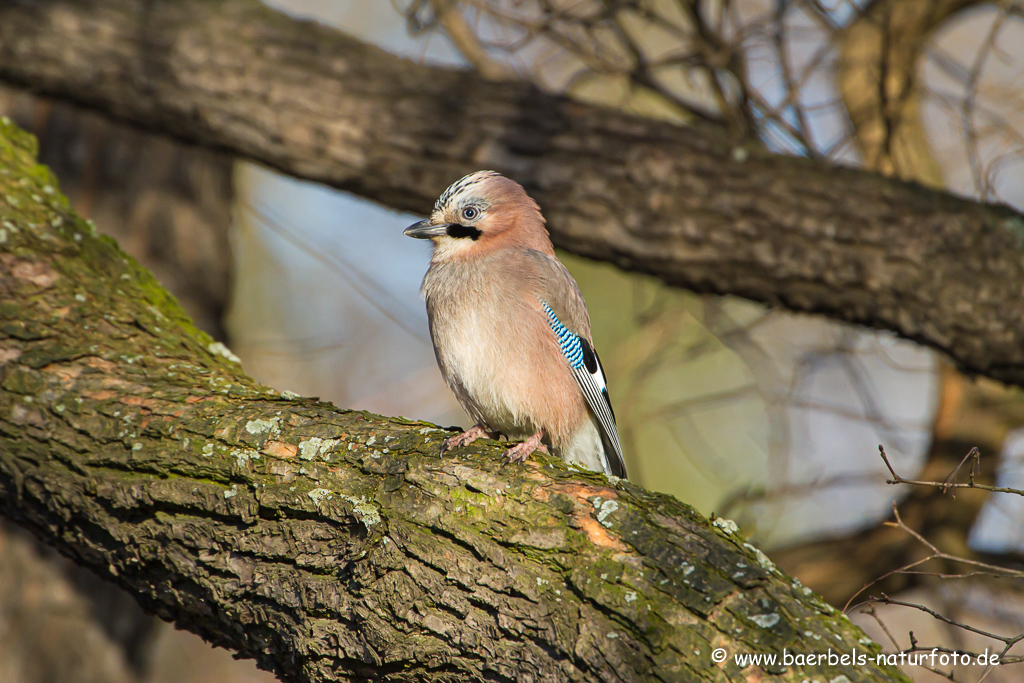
456	230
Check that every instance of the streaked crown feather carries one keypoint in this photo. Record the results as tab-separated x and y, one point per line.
462	184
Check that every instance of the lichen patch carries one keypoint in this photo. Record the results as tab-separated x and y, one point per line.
319	494
261	427
242	456
604	509
766	620
219	349
365	512
726	525
314	446
762	559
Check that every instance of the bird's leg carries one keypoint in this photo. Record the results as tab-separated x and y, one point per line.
464	439
521	451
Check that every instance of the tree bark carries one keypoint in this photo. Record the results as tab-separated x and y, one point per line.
688	205
336	545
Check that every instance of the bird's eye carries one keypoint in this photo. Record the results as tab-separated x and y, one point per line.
470	212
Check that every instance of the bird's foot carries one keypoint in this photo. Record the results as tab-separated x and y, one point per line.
464	439
521	451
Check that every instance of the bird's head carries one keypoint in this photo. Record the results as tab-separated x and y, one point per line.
480	212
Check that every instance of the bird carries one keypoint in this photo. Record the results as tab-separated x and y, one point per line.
510	329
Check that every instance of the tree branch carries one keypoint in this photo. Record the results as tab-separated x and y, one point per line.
336	545
688	205
877	74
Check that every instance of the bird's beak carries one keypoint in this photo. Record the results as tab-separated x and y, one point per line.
425	230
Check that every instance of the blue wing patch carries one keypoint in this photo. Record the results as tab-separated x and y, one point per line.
568	342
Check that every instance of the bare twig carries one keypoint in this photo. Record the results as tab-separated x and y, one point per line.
465	39
949	482
978	568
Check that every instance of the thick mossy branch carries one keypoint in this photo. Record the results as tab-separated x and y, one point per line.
336	545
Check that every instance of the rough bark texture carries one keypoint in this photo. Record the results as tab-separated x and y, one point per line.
335	545
688	205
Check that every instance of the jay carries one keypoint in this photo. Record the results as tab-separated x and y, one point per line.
510	329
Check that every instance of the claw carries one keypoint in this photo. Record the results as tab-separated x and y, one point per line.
521	451
464	439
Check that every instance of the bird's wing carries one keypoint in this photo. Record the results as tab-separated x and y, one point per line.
567	316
